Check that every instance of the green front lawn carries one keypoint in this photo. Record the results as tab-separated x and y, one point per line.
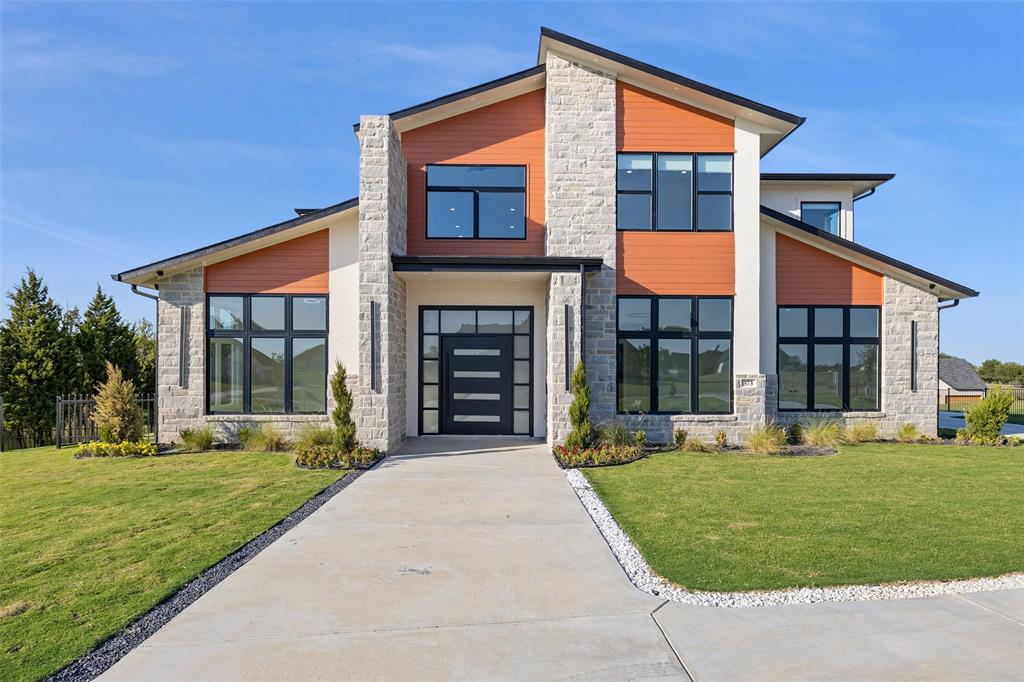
875	513
89	545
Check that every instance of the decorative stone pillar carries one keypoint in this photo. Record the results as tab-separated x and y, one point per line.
381	399
580	139
181	387
901	403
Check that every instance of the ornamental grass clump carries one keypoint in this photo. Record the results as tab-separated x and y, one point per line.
826	433
679	438
196	440
117	414
261	438
861	432
769	439
908	433
698	444
614	434
985	419
313	436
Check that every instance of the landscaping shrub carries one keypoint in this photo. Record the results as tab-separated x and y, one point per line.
821	433
640	438
985	419
795	434
679	438
767	440
602	455
196	440
721	440
908	433
341	415
123	449
615	434
117	414
313	435
579	410
261	438
698	444
327	457
861	432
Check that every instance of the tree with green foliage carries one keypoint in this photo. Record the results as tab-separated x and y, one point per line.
145	352
341	415
996	372
105	337
579	410
117	414
33	351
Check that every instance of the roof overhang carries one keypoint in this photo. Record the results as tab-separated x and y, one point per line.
775	123
309	222
941	287
858	182
494	264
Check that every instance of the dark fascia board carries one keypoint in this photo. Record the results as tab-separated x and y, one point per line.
304	211
829	177
671	77
462	94
237	241
494	264
865	251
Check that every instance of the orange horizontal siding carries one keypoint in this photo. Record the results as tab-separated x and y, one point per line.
805	275
647	122
507	132
676	263
297	266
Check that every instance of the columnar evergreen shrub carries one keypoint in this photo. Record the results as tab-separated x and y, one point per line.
341	415
579	411
986	417
117	414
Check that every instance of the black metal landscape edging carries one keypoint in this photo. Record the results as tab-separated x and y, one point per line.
99	660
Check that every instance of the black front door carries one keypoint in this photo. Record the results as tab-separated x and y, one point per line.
478	384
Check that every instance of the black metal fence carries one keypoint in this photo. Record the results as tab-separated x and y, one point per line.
74	418
960	402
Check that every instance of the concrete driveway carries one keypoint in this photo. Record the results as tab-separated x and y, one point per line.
473	559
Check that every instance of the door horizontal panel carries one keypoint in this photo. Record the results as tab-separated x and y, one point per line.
477	418
476	374
476	396
490	352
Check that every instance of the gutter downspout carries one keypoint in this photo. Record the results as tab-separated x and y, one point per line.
156	360
865	195
938	341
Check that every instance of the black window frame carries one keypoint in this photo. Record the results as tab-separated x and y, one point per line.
845	340
247	335
694	334
428	188
839	211
694	191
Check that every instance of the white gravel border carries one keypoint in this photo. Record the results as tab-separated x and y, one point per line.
640	574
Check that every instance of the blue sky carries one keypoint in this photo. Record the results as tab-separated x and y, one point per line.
132	132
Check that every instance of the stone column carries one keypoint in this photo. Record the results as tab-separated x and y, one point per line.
381	418
181	401
580	139
900	403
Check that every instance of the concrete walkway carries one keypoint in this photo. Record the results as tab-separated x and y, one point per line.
473	559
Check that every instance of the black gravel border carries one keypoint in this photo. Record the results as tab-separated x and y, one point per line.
99	660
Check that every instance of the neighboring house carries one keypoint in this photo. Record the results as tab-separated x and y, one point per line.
958	377
591	205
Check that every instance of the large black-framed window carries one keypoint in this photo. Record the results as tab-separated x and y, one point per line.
829	358
674	191
674	354
476	201
437	322
266	354
824	215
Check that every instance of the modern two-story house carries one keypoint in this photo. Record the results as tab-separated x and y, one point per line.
591	206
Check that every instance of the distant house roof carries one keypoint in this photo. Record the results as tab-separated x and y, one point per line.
959	374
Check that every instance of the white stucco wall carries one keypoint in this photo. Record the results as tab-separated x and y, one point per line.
786	198
483	289
343	287
747	226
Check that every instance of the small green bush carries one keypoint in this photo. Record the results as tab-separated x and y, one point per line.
640	437
116	413
985	419
908	433
679	438
721	440
795	434
341	415
123	449
261	438
698	444
767	440
614	434
602	455
579	411
327	457
196	440
861	432
313	435
821	433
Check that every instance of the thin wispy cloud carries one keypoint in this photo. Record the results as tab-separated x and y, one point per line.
13	216
39	58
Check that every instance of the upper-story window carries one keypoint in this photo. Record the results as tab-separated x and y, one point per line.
476	202
662	192
824	215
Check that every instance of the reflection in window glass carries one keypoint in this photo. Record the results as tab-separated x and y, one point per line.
521	397
266	382
494	322
828	321
714	173
714	315
864	322
431	346
227	363
793	376
634	314
521	422
634	172
828	376
714	363
430	396
476	176
450	214
430	371
309	375
430	323
522	321
864	376
675	192
824	215
309	314
793	322
674	314
634	375
522	347
458	321
714	212
674	375
430	421
226	312
267	313
521	372
633	212
502	215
